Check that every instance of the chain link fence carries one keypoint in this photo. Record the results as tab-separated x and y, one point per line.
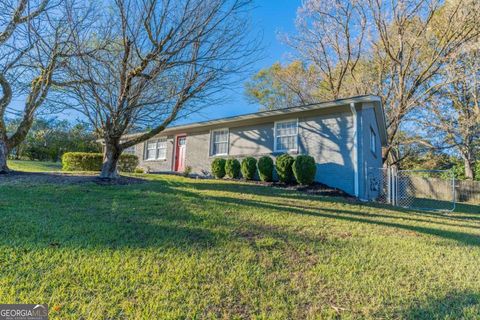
378	185
426	190
432	190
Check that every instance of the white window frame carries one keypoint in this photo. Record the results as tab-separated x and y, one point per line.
157	142
212	142
162	140
130	150
275	149
373	141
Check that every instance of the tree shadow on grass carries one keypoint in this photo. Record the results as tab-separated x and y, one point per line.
355	216
145	215
454	305
64	178
266	191
165	213
340	214
269	191
89	215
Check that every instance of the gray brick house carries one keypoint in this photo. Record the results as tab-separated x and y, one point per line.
344	136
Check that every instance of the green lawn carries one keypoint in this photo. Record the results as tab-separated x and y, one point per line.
34	166
176	248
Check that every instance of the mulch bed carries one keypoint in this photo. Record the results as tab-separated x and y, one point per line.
315	189
14	177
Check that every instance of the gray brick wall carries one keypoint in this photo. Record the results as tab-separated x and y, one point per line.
329	139
326	137
155	165
368	158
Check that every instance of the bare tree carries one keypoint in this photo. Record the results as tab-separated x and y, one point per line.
34	46
396	49
452	117
13	16
414	42
165	59
330	37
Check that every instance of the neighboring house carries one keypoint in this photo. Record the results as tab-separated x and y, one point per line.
344	136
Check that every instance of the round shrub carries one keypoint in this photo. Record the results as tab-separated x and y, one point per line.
304	169
127	163
284	164
85	161
232	168
218	168
249	165
265	168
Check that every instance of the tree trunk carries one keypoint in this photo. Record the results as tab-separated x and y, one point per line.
3	157
110	161
469	175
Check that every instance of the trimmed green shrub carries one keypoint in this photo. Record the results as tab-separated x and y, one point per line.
127	163
218	168
284	164
249	165
304	169
265	168
84	161
139	170
232	168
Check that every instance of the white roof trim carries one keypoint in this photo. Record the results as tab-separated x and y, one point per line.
376	100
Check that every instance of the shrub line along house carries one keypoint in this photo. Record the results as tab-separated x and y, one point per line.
345	137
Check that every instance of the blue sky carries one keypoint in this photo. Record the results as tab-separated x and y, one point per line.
269	17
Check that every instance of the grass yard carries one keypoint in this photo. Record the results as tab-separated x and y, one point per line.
173	248
34	166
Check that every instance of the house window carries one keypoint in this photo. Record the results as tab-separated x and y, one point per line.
286	135
373	141
129	150
156	149
162	149
219	143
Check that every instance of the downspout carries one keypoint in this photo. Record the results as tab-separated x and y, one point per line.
355	149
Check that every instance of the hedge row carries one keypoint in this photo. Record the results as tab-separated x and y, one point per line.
301	169
83	161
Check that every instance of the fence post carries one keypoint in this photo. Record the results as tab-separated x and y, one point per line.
392	185
389	186
395	186
454	191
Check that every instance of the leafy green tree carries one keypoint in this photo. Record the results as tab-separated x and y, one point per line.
283	86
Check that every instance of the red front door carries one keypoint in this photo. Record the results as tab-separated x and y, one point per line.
180	153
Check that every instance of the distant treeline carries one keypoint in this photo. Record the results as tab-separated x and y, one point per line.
425	159
49	139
